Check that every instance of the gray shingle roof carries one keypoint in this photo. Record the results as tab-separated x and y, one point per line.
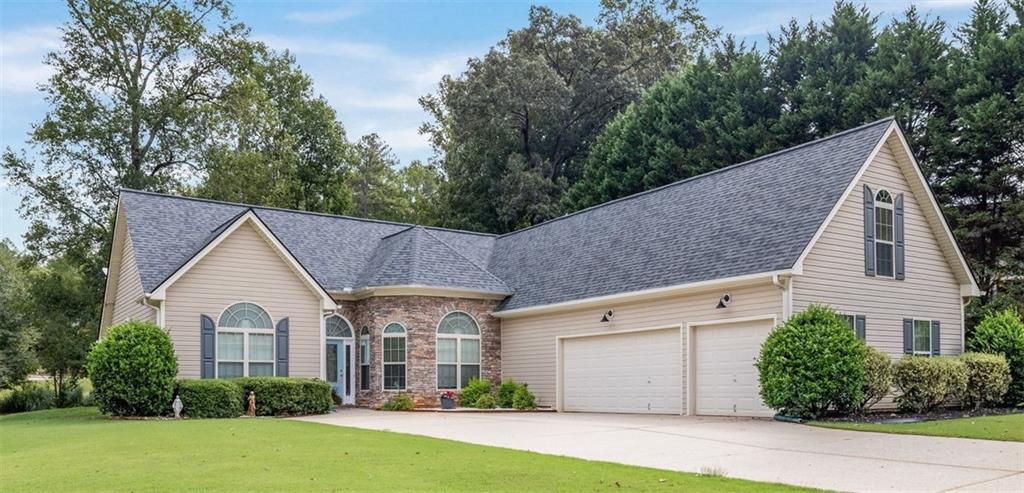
749	218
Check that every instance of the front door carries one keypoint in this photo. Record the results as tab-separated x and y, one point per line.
339	369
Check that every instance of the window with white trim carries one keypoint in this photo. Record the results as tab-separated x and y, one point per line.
923	337
884	235
364	358
458	351
245	342
393	352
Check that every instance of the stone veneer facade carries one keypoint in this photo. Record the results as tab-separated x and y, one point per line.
420	316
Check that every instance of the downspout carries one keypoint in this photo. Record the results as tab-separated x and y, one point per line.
786	285
157	305
963	322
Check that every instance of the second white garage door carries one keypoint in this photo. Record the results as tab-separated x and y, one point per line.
726	380
633	372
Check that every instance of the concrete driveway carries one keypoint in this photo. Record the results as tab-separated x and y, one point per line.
755	449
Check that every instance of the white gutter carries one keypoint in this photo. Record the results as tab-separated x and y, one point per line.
663	291
785	283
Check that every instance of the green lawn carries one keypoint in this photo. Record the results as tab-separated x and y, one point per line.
80	450
1009	427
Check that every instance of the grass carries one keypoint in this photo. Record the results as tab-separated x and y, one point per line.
81	450
1008	427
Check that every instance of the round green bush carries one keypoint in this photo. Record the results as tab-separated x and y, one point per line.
210	398
486	401
925	383
473	390
877	377
132	370
400	402
506	392
988	379
1003	333
811	364
523	398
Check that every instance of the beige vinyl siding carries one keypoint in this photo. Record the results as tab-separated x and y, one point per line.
834	269
528	342
244	267
127	302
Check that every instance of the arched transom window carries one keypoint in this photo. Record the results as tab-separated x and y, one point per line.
336	326
245	342
884	234
458	350
393	349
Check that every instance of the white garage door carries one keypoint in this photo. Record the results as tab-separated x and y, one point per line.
635	372
726	380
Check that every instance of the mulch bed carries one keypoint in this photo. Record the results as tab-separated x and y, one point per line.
888	417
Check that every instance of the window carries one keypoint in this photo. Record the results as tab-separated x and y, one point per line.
338	327
393	351
458	351
849	320
245	342
856	323
922	337
364	358
884	234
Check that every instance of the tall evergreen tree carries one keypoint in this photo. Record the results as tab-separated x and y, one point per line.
715	113
376	191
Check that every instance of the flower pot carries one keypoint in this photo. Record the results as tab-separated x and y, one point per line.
447	403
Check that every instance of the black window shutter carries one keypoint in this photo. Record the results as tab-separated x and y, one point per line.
935	338
281	345
908	336
869	231
861	326
901	263
208	345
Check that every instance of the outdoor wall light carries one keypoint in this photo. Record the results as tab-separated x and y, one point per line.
724	300
608	316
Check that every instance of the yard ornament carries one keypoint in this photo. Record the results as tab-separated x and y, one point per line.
177	407
251	411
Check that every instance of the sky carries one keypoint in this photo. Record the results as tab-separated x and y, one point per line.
370	60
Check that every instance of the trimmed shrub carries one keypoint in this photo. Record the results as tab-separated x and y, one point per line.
506	393
523	398
926	383
988	379
210	398
29	396
485	401
286	396
877	377
473	390
400	402
811	364
1003	333
133	370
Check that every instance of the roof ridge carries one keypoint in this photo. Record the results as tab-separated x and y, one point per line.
703	175
467	259
297	211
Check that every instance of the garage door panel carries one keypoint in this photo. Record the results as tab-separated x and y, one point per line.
637	372
726	381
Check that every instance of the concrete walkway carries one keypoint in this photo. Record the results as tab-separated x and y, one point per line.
755	449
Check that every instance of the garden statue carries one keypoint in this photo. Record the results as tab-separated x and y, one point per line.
251	411
176	405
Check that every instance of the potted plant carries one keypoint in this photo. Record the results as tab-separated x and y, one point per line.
448	400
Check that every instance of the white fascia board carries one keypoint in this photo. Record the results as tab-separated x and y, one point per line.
646	293
327	303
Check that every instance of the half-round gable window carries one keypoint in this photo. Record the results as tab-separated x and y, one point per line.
245	316
338	327
883	196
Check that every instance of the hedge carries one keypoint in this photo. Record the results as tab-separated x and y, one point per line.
284	396
210	398
926	383
1003	333
988	378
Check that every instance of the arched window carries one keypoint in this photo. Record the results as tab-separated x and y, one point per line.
338	327
458	350
394	356
245	342
884	234
364	358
